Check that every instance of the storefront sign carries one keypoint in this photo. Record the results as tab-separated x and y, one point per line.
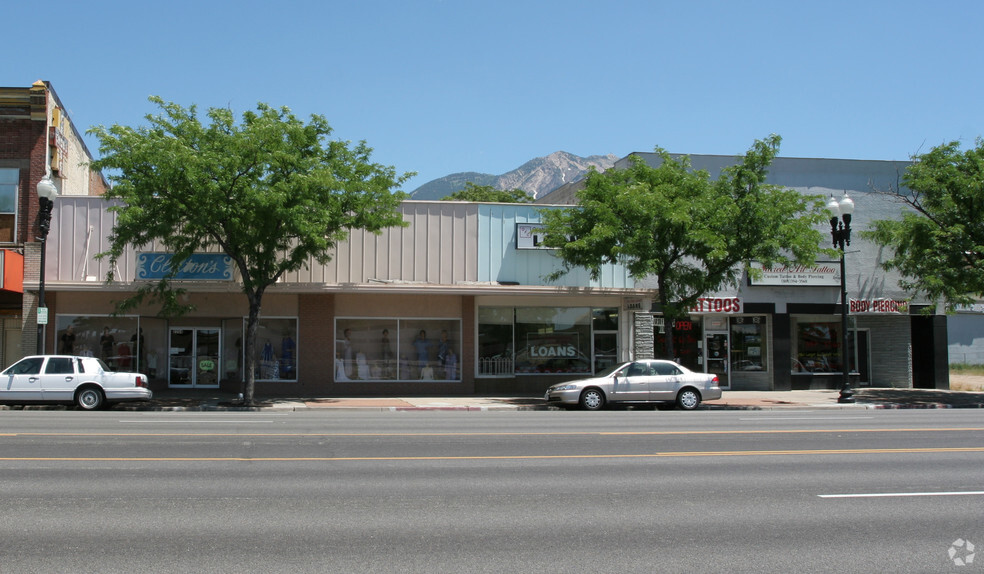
823	274
198	267
972	308
725	305
530	236
562	345
879	306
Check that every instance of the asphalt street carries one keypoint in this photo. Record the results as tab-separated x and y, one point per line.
626	491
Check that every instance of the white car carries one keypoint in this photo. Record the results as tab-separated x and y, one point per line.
643	381
85	381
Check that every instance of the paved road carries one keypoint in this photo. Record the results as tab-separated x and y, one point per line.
624	491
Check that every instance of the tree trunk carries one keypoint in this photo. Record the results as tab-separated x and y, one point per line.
668	320
249	345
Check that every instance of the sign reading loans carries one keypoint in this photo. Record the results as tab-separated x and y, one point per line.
198	267
823	274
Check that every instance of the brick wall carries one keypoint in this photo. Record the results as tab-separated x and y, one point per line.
316	332
22	145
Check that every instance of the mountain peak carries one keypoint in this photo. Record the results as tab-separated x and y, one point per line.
537	177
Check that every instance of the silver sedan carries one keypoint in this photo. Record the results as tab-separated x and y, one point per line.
644	381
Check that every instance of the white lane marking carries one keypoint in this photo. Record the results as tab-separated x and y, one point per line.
903	494
187	422
768	418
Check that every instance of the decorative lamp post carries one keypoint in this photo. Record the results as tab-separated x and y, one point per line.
46	196
840	231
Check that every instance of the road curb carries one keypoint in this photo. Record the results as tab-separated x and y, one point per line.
297	406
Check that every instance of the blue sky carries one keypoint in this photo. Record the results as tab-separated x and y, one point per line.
445	86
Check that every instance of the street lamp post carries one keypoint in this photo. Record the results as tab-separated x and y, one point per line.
840	231
46	196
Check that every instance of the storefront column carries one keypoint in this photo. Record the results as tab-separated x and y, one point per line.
643	340
782	357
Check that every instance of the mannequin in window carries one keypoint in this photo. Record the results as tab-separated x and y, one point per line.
427	373
287	348
451	366
68	341
362	366
340	369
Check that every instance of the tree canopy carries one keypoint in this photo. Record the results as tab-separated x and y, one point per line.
487	193
694	235
271	192
939	244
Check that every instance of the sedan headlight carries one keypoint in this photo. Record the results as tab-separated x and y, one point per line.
564	388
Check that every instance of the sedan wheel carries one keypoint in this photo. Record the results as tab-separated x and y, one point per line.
592	400
688	399
89	399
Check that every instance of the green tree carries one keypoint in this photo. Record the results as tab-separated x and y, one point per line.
487	193
270	192
939	244
694	235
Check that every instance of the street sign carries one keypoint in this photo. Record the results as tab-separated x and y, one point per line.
42	315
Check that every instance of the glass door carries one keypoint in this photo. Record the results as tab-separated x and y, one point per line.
716	349
193	357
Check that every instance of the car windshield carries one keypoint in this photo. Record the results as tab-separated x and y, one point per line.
610	370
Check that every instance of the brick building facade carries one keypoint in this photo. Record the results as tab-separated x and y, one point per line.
37	138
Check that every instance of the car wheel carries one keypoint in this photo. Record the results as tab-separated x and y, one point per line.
592	400
89	398
688	399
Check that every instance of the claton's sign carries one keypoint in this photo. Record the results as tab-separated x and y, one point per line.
198	267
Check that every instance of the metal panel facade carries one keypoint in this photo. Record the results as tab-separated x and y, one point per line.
500	260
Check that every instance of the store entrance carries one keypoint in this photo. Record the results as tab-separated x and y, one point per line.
716	350
194	357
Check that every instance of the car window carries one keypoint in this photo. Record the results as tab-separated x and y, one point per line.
59	366
666	369
29	366
637	370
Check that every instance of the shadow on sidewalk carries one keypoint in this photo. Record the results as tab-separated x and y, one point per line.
915	398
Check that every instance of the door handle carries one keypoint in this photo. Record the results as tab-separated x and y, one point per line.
69	379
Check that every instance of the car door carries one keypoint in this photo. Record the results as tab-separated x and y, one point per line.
632	383
58	380
666	381
22	380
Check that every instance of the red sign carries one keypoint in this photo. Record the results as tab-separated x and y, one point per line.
728	305
879	306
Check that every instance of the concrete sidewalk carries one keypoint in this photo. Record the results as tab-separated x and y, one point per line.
866	398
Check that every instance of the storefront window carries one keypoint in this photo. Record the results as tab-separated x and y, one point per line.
816	348
686	342
9	178
546	340
112	339
276	342
748	344
397	349
551	340
604	323
495	340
